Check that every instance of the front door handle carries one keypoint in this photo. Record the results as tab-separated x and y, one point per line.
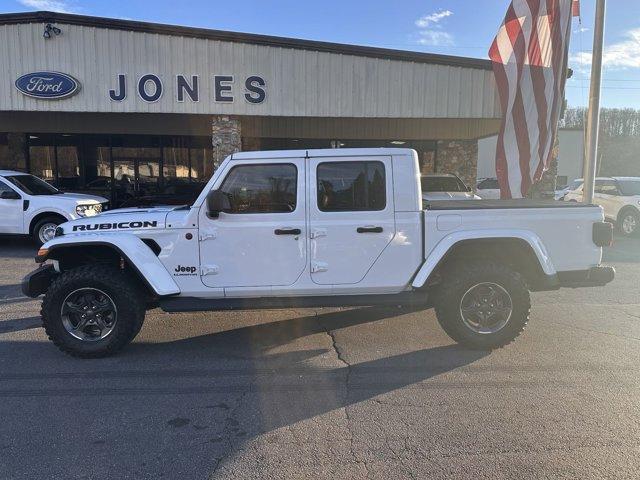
287	231
369	230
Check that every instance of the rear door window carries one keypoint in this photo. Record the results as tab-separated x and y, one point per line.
351	186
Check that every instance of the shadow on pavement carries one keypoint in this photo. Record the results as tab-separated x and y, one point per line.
12	294
16	246
20	324
229	403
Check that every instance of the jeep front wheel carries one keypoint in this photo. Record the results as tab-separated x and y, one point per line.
92	311
483	305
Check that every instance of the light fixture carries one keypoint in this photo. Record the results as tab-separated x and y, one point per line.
398	142
48	29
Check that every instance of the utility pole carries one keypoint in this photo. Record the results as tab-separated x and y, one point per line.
593	118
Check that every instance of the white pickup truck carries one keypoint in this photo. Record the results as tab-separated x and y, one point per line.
314	229
30	206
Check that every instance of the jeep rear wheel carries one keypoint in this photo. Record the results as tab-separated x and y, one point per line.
93	311
483	305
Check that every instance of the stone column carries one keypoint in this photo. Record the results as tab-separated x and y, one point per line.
226	137
459	157
17	147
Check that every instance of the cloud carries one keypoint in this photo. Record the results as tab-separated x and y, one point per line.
617	56
50	5
428	20
431	32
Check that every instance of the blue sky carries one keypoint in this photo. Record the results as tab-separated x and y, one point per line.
456	27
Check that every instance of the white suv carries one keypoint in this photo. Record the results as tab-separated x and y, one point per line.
620	199
30	206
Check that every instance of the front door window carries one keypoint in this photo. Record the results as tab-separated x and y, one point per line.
260	240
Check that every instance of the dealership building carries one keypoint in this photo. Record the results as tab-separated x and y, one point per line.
142	112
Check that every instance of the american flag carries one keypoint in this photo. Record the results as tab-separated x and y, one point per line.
529	57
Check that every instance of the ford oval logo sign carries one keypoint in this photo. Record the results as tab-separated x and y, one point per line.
47	85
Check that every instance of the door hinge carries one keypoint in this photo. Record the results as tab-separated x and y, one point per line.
318	232
210	235
317	267
209	270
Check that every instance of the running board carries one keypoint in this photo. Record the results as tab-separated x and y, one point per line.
193	304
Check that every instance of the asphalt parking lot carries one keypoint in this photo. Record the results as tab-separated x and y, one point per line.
362	393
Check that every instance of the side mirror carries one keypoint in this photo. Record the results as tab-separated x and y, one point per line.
217	202
9	195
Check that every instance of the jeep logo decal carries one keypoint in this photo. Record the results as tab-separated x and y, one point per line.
184	271
114	226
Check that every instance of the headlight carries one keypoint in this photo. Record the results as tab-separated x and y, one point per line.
88	210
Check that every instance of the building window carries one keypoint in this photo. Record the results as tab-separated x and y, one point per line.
42	161
68	167
262	188
201	158
351	186
5	161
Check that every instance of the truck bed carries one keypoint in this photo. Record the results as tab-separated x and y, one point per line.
500	204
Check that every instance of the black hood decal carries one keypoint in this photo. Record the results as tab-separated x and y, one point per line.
115	226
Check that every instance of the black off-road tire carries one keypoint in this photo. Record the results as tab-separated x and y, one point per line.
123	290
458	280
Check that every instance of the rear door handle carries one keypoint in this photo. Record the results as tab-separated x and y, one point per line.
369	230
287	231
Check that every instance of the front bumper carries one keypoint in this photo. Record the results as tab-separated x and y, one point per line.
594	277
38	281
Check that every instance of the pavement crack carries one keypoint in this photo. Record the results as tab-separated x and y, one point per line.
227	432
336	348
345	402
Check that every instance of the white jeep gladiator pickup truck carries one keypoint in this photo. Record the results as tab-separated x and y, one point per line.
316	228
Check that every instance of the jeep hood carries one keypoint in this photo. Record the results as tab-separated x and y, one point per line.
120	220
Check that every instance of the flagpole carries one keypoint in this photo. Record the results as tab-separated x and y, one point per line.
593	118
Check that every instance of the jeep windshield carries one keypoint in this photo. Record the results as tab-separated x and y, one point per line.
629	187
33	185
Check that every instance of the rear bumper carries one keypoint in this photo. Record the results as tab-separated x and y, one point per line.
37	282
594	277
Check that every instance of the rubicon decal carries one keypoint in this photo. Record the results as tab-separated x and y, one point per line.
114	226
